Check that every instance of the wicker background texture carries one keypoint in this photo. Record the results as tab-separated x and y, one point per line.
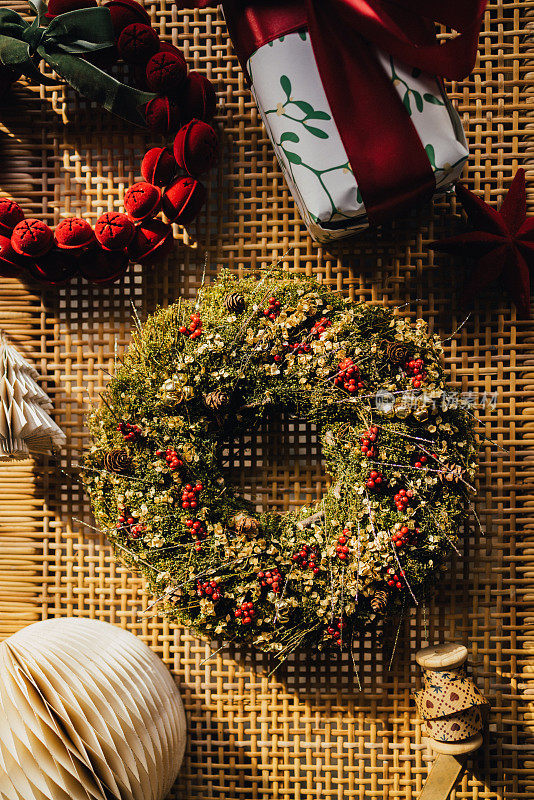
306	732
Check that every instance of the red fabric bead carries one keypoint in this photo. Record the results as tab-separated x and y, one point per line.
31	237
152	241
166	72
114	231
142	200
10	262
167	47
124	13
104	266
10	214
162	115
199	99
58	266
137	43
196	147
74	233
139	77
158	166
183	200
56	7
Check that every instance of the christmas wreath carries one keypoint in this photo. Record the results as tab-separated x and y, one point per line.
401	460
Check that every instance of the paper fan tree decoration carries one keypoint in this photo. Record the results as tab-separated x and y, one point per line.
25	425
87	712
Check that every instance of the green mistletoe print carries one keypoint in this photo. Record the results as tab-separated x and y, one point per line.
418	98
308	114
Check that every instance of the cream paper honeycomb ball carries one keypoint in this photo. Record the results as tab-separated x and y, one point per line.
87	712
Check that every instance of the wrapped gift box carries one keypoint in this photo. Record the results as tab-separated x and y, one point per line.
361	127
294	107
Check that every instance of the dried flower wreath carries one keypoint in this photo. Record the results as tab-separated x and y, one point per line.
199	373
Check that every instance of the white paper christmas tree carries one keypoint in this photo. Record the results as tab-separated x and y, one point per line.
25	426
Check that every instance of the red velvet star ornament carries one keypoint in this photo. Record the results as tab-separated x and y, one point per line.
501	244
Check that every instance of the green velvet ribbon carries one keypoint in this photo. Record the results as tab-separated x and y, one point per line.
63	44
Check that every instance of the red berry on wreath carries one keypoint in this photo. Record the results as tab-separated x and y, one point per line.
124	13
415	367
114	231
402	499
137	43
320	327
166	72
368	441
162	115
273	309
183	200
195	327
10	215
198	98
210	589
342	548
307	557
271	579
245	613
142	200
349	376
74	233
196	147
335	631
56	7
172	459
10	266
152	241
104	266
158	166
32	237
129	432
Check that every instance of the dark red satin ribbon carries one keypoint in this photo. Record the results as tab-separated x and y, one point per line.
388	159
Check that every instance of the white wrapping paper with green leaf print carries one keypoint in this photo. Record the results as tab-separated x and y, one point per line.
292	102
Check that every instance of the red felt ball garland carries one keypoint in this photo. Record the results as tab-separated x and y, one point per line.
157	66
186	102
161	68
104	254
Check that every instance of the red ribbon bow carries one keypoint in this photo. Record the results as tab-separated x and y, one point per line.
387	157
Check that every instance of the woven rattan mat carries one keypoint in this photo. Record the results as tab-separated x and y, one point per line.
306	732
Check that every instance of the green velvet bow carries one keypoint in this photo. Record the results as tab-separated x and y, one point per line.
62	44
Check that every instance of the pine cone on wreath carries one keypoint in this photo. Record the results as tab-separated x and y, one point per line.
118	461
234	303
245	526
450	473
379	601
217	401
396	352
